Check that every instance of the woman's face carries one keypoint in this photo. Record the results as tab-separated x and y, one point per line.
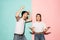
38	17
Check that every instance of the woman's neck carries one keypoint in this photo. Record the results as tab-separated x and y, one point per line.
38	21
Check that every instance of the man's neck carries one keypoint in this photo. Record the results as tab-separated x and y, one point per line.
23	17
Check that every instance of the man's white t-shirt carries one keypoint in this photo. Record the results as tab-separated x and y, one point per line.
20	26
39	26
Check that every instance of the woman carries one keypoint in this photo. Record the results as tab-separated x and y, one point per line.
39	28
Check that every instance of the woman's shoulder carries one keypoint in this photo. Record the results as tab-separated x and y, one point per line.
42	22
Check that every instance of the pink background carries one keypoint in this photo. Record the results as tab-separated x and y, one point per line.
50	11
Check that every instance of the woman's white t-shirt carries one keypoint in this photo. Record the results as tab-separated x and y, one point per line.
39	26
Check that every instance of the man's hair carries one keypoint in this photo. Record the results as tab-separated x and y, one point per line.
39	15
24	12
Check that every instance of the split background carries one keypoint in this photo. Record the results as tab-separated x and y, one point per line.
49	9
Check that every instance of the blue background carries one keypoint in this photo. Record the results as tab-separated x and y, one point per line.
8	9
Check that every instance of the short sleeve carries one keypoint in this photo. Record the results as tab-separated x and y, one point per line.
17	18
44	25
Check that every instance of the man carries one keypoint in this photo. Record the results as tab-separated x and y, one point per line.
39	28
20	24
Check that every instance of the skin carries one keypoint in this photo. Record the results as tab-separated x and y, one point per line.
38	18
25	15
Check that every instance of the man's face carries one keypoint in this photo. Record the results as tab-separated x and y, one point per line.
38	18
25	15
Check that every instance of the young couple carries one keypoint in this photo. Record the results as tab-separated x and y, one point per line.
38	27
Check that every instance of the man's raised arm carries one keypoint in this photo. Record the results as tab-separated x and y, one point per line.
18	13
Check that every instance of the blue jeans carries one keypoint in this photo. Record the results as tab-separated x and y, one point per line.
19	37
39	37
